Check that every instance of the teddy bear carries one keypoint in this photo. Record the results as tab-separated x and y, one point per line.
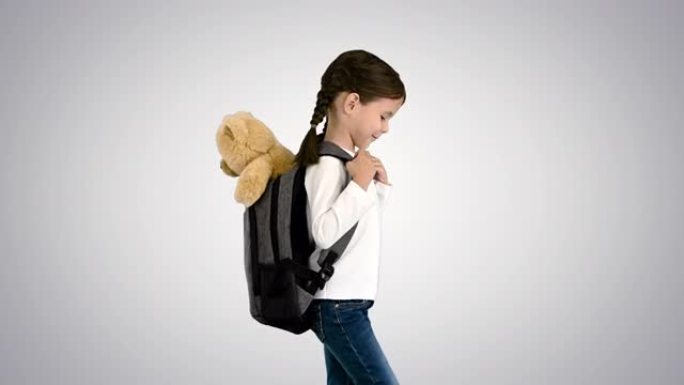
250	152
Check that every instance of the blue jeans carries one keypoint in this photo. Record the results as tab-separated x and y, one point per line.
352	353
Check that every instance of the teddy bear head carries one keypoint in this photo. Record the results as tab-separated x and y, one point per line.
242	138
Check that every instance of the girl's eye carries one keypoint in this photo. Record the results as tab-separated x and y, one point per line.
382	117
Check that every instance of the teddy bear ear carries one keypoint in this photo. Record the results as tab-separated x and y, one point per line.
227	131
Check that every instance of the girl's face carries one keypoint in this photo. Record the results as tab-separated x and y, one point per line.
372	120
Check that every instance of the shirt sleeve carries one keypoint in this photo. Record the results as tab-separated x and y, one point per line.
384	191
333	212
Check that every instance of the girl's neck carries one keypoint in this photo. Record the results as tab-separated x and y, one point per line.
340	138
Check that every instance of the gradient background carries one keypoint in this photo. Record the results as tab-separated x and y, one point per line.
534	235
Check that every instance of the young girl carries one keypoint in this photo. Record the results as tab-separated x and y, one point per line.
359	94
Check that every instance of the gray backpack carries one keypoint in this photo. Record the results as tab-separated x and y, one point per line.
278	245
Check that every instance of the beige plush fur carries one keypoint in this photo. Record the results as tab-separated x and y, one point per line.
250	151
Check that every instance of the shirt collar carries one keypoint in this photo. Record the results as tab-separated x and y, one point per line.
352	153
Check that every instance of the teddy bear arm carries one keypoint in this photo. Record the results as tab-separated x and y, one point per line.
253	180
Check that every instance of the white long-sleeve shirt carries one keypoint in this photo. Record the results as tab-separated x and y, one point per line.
331	214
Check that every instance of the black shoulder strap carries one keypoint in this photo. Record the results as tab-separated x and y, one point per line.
329	148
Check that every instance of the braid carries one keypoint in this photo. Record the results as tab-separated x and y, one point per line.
322	102
308	152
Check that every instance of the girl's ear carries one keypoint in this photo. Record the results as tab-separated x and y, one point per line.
351	102
354	99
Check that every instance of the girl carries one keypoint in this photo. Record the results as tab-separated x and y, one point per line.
359	94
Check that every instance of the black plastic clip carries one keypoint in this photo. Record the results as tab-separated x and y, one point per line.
325	274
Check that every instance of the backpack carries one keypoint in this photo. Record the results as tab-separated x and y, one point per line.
278	244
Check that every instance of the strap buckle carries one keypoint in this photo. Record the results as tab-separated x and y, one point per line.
325	274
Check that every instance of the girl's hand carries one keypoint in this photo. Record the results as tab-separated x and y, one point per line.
362	168
381	173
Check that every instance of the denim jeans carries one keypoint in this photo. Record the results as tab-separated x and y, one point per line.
353	355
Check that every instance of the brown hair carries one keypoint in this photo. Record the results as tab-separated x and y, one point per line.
355	71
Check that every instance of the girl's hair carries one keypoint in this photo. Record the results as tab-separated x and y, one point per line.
355	71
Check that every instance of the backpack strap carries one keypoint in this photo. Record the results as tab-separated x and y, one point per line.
329	148
329	256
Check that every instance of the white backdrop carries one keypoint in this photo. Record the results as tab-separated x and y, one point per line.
534	235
